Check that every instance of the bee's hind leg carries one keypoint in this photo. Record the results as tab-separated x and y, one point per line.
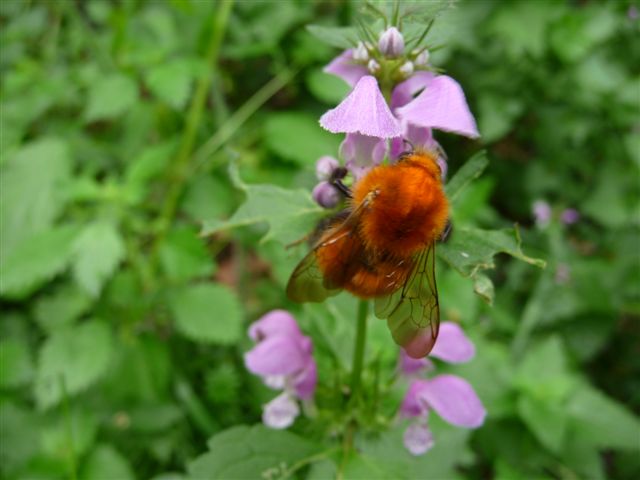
446	233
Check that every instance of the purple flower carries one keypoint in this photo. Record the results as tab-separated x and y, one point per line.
410	366
345	67
541	213
418	438
326	195
283	358
362	152
569	216
391	43
453	346
364	111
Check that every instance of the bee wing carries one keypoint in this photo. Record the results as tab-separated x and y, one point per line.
307	283
412	312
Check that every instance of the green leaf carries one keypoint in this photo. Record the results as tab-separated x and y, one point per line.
36	261
290	214
497	115
79	424
483	287
184	256
207	313
340	37
61	308
16	367
297	136
105	462
243	452
98	250
72	359
470	250
602	421
208	196
110	96
547	421
326	87
21	429
31	193
471	170
171	82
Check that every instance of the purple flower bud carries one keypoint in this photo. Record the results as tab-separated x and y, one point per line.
361	54
325	166
280	412
570	216
406	69
542	213
373	66
391	43
418	439
422	60
326	195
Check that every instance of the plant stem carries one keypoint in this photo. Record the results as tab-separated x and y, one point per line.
358	352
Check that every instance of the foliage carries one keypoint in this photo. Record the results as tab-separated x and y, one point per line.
139	239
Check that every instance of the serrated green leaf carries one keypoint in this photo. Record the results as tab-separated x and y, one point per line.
110	96
16	367
36	261
72	359
98	250
245	452
184	256
297	136
340	37
471	170
470	250
289	214
602	421
31	193
61	308
546	420
207	313
105	462
171	82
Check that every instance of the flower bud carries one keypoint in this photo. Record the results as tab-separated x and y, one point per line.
325	166
280	412
373	66
391	43
422	59
361	54
406	69
326	195
541	213
570	216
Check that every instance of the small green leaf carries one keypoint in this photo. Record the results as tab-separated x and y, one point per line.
110	96
81	424
72	359
36	261
207	313
61	308
184	256
171	82
249	452
340	37
105	462
547	421
471	249
297	136
471	170
483	286
98	250
16	367
289	214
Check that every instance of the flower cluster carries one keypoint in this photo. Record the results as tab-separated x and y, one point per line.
396	99
543	214
450	396
283	358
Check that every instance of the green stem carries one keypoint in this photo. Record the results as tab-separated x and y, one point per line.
358	352
181	161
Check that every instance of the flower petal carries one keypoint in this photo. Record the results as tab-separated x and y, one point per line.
280	412
362	152
404	92
363	111
418	439
273	323
453	345
411	366
276	355
343	66
442	105
413	404
305	382
454	400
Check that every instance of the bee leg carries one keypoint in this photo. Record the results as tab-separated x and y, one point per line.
346	191
446	233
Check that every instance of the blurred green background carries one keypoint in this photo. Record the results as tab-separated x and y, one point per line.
123	330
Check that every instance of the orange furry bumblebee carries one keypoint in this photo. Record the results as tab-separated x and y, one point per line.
383	247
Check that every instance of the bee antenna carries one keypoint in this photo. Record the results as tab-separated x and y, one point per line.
406	153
